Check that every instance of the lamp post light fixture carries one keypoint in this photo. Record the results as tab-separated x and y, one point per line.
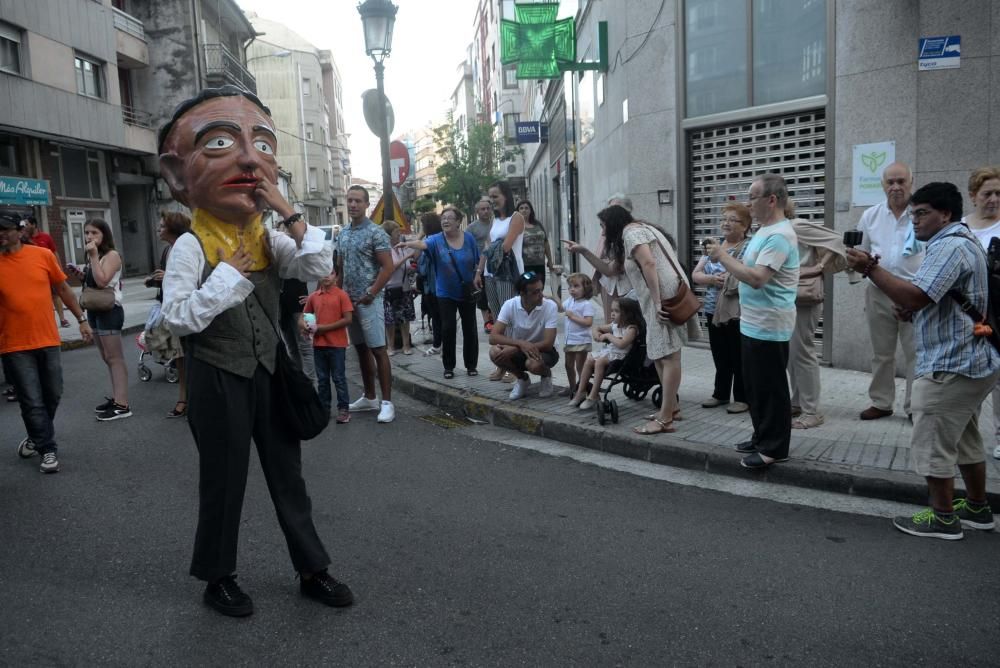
280	53
378	18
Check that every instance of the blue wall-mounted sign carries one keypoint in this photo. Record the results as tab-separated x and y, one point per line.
940	53
27	192
527	132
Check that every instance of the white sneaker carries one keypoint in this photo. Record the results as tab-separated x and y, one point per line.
432	351
388	412
520	388
996	452
545	387
363	403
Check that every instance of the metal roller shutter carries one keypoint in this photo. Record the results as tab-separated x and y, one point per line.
724	160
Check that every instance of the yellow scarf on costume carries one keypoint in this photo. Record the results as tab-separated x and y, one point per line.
216	235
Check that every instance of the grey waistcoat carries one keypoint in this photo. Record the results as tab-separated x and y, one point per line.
241	337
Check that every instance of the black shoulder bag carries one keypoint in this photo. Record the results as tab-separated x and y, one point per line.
984	325
294	395
470	293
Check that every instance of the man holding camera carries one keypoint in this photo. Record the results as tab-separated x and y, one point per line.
956	364
887	231
769	279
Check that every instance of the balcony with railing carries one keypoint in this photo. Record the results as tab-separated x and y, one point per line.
137	117
130	40
139	135
221	66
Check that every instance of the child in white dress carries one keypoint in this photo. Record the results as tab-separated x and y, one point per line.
618	337
579	319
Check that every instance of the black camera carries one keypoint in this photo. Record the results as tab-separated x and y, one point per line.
853	238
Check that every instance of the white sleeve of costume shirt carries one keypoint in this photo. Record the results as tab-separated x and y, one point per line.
189	308
310	263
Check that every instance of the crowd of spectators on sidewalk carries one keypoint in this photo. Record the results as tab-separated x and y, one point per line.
762	286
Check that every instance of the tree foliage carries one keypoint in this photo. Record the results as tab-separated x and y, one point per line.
424	204
469	164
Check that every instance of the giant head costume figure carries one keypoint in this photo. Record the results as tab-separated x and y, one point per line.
217	155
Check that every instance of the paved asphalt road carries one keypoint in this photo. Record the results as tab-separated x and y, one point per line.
460	551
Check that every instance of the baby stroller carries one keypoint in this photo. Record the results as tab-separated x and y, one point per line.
145	374
636	374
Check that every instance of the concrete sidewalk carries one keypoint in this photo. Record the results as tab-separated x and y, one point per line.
844	455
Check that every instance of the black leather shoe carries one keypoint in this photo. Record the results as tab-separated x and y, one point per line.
327	590
226	596
746	447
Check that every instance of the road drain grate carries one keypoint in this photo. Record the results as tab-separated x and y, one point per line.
445	421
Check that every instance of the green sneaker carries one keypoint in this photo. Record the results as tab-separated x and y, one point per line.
981	518
927	524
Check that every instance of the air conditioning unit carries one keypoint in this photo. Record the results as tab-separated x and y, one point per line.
511	169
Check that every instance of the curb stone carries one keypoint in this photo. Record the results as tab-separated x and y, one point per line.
669	449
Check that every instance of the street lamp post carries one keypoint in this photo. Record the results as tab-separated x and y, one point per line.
378	17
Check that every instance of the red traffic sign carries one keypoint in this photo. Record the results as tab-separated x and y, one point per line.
399	162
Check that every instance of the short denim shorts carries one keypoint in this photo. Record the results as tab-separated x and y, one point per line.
368	324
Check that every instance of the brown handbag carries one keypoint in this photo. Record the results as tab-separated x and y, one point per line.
97	300
810	291
685	304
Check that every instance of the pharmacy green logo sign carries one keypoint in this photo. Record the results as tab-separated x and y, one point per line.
540	44
873	160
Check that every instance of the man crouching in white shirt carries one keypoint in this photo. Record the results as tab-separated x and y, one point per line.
524	335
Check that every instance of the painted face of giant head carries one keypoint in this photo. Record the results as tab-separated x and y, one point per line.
216	153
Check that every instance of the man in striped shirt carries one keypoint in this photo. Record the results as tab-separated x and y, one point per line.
955	367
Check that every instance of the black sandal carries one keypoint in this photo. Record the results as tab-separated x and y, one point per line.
449	374
178	413
472	372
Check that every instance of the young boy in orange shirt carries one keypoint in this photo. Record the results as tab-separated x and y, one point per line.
325	318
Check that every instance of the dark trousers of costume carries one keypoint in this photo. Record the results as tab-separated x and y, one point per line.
37	379
766	387
225	411
725	343
449	326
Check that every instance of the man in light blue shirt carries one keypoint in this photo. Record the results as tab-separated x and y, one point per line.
769	279
956	365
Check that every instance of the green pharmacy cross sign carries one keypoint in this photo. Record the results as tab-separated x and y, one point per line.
542	46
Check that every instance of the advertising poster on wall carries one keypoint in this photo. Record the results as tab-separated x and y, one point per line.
870	160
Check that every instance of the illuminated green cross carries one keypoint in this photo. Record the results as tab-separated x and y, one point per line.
541	45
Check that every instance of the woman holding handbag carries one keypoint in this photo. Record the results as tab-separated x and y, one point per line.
506	239
653	269
721	309
102	298
454	255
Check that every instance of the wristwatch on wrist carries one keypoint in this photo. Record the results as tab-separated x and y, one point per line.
82	319
294	218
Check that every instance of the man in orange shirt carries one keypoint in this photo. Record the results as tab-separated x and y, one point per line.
29	340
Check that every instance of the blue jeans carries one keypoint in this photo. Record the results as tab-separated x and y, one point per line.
331	364
37	378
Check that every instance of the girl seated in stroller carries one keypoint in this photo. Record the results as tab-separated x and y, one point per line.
618	337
